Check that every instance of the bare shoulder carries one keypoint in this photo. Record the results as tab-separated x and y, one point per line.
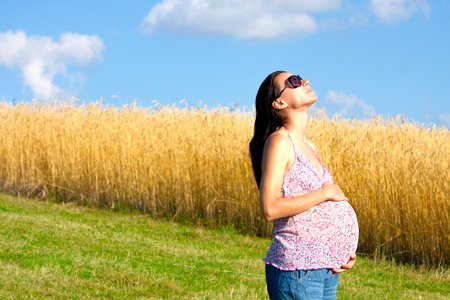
277	151
278	140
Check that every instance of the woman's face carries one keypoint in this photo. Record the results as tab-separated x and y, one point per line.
295	97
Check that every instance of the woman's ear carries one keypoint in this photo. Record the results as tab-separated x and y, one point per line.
278	104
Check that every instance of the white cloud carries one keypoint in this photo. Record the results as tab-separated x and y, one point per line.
392	11
347	105
444	119
40	58
250	19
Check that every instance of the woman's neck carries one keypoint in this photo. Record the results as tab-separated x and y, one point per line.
297	123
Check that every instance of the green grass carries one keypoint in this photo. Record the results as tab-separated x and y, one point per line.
55	251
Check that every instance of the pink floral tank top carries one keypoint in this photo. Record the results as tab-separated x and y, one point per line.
323	236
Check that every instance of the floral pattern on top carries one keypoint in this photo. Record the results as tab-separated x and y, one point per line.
323	236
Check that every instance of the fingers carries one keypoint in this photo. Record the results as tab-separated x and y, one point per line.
334	192
351	262
347	266
337	271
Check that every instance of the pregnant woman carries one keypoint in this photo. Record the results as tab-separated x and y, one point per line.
315	230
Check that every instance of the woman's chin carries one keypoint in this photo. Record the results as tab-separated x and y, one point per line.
312	100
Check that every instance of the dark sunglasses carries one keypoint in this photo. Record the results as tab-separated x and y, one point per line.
292	82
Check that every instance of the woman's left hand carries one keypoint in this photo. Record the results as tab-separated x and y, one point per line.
347	266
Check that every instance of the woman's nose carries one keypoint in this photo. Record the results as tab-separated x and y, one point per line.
305	82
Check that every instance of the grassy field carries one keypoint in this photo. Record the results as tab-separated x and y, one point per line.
64	251
194	164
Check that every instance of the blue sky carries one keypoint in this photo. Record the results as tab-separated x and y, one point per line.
366	57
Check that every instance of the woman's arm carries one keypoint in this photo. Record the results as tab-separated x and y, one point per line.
277	157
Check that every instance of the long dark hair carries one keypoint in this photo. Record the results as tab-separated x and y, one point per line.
267	120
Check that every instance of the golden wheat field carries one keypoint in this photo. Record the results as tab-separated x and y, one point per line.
193	163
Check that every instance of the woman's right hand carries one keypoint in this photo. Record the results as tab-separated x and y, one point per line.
333	192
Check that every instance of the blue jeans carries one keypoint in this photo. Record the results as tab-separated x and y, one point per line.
301	284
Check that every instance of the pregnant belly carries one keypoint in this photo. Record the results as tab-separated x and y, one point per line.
331	225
